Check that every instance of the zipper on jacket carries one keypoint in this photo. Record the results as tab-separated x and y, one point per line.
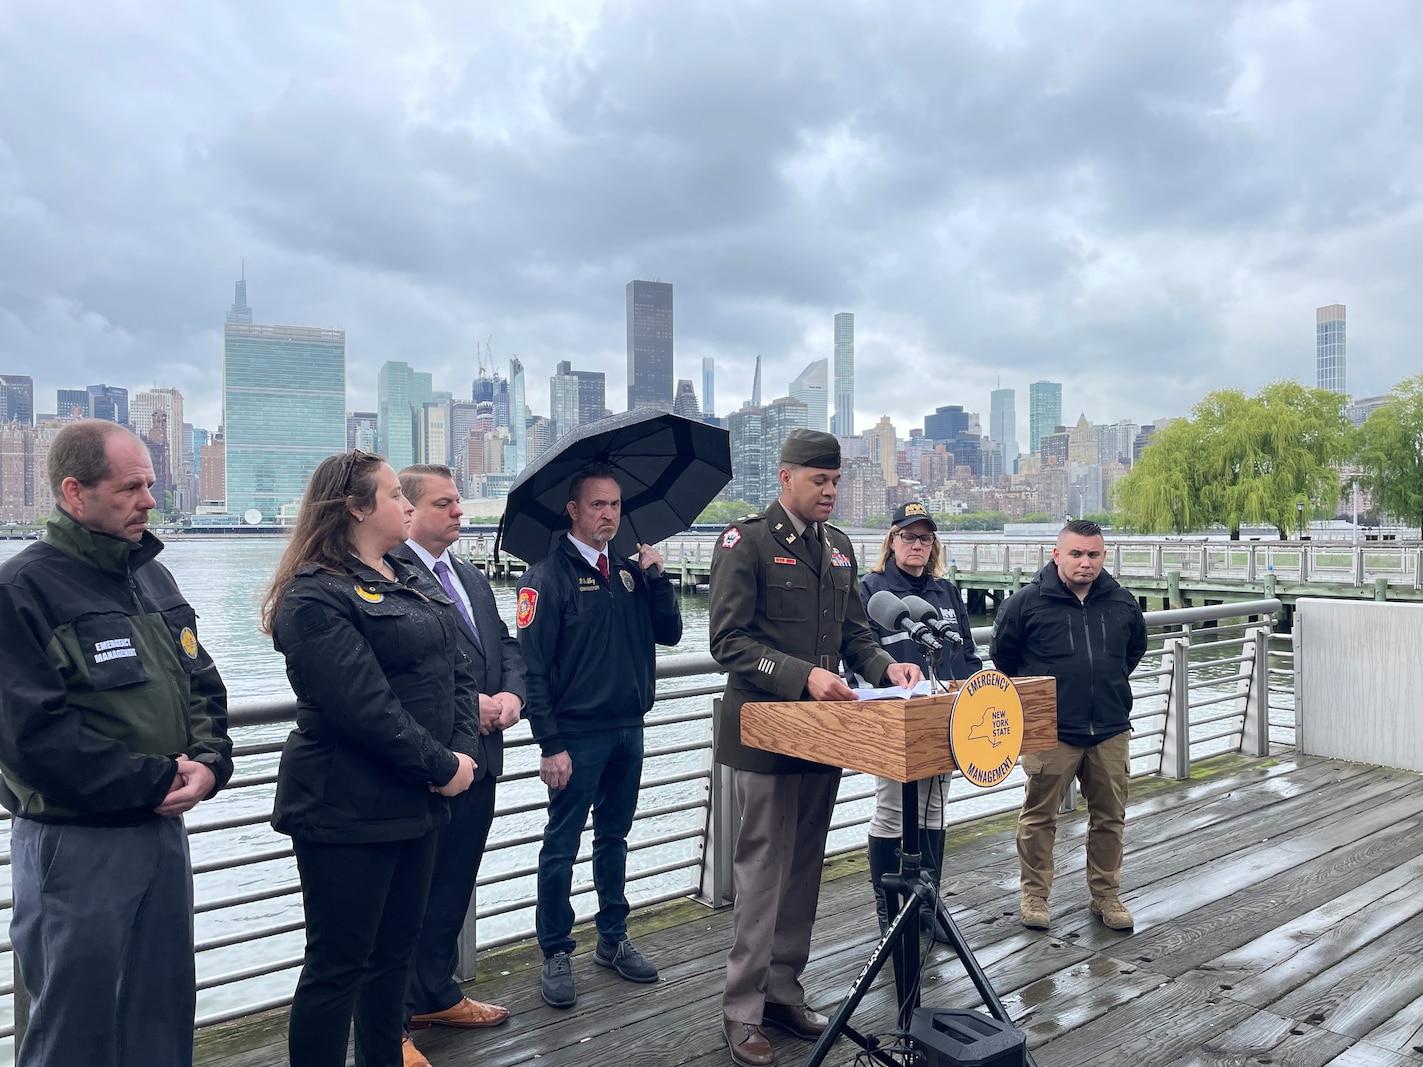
1091	672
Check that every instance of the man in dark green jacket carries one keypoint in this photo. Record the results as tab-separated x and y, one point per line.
784	609
113	723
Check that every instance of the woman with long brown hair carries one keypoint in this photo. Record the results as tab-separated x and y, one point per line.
386	729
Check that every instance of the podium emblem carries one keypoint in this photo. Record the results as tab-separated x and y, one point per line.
986	728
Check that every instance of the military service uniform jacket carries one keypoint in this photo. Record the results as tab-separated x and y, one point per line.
781	604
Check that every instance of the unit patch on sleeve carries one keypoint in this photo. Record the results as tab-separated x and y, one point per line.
528	604
729	539
189	641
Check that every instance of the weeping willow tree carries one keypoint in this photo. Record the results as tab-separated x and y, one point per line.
1391	452
1240	459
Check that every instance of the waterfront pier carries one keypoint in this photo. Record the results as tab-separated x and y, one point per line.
1278	889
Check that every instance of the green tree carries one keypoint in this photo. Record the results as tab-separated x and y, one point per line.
722	512
1391	452
1240	459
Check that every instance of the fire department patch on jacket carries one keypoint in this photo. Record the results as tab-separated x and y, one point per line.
528	604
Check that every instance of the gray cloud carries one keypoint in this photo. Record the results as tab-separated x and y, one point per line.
1144	202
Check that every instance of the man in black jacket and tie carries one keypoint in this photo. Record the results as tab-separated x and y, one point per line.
434	997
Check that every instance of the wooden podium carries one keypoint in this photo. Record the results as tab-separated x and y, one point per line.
904	740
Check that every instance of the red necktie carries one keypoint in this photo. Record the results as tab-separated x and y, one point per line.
603	565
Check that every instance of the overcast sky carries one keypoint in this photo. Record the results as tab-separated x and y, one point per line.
1143	201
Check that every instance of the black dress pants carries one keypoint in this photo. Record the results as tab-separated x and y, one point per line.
364	905
459	849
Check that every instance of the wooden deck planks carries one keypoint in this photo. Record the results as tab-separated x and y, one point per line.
1280	912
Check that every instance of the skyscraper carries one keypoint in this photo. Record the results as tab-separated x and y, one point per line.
778	419
811	388
17	399
1329	358
685	402
649	344
1044	412
1003	424
575	397
239	313
283	411
168	402
844	423
744	426
756	385
882	443
401	394
518	418
708	386
71	403
108	402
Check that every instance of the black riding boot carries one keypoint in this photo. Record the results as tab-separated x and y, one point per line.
884	859
933	844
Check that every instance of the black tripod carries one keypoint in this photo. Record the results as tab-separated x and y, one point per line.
913	885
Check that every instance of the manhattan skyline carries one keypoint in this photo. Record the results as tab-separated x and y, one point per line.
1135	205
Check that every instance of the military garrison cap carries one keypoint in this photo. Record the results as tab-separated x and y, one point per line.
811	448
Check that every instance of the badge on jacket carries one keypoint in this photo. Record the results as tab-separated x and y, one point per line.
627	579
528	604
839	559
369	596
729	539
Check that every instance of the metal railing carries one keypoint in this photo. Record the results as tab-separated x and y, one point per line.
1214	679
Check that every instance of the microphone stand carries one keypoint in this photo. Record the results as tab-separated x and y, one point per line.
917	890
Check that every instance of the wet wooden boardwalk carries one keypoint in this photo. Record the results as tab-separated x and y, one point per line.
1279	912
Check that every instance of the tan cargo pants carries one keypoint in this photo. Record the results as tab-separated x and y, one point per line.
1102	770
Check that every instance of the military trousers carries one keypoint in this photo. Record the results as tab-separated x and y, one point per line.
1102	772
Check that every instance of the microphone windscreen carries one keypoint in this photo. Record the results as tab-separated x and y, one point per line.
886	609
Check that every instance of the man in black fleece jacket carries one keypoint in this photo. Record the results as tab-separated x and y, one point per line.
588	622
1075	623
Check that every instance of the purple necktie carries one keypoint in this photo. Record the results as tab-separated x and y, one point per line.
442	572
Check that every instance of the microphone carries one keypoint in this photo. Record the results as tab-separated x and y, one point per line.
893	614
920	610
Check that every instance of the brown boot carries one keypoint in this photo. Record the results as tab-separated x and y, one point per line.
1112	912
1034	913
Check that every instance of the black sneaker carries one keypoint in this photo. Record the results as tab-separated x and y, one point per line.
556	981
626	960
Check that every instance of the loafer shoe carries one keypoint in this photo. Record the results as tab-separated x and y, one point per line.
1033	911
466	1015
798	1020
410	1056
1112	912
748	1044
626	960
556	981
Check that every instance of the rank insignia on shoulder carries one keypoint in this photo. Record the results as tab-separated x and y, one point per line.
786	559
839	559
528	604
730	538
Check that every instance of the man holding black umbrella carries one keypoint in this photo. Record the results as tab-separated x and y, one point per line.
588	622
785	608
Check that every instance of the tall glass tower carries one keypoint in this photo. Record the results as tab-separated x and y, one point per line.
809	387
843	424
283	411
401	395
1003	424
1329	358
1044	412
708	386
649	342
518	416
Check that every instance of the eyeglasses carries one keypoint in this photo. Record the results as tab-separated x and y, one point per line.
916	539
350	469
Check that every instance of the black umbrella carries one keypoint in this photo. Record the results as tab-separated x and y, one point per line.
669	468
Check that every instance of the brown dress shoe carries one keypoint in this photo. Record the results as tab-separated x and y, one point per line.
410	1055
466	1015
749	1047
796	1019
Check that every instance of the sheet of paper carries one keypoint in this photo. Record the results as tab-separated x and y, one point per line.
893	692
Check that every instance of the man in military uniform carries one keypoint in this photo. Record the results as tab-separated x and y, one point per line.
785	608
